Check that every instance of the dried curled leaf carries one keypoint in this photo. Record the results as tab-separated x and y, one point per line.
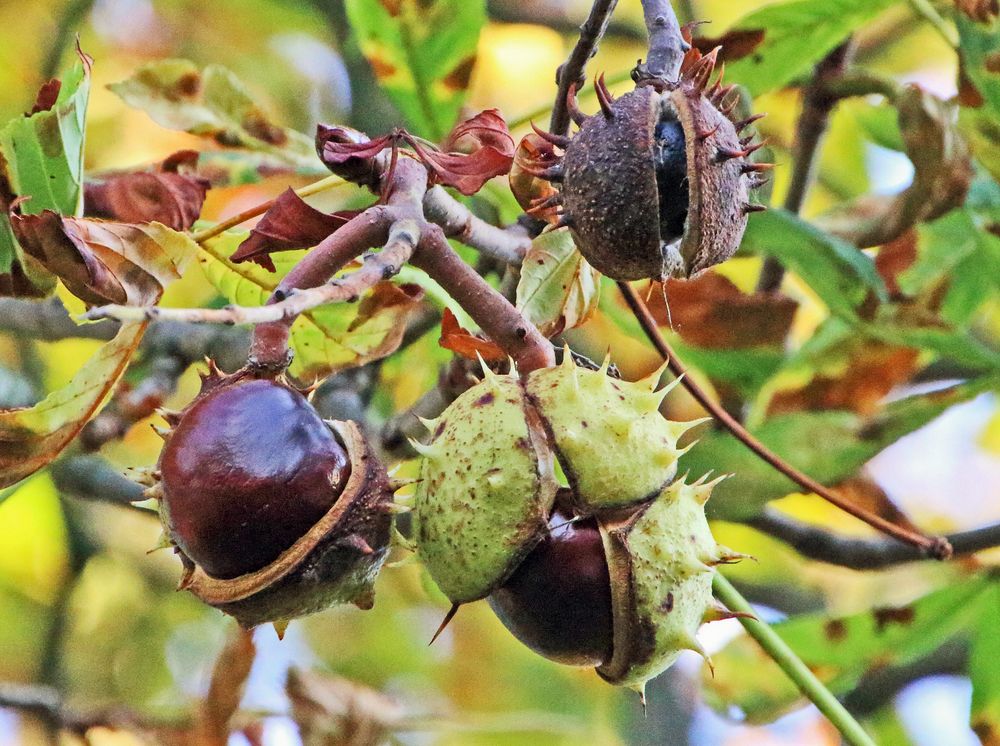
171	193
942	175
333	710
476	150
104	262
483	149
289	223
534	154
467	344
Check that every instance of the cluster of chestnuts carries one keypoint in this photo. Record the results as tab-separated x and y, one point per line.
554	495
612	569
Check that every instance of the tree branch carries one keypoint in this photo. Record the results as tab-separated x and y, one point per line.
935	547
817	103
509	245
862	554
496	316
666	45
571	72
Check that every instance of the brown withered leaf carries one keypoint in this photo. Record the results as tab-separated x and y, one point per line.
170	193
735	43
47	96
330	710
467	344
477	149
102	261
710	311
533	154
942	175
866	493
983	11
867	371
894	258
381	320
289	223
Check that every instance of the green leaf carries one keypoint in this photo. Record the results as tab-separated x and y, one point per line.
41	156
841	275
797	35
31	437
983	657
422	54
557	290
211	103
842	650
325	339
881	124
979	47
828	446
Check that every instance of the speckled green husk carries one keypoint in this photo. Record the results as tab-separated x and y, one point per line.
661	560
486	489
613	443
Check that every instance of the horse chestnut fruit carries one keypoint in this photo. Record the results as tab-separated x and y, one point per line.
488	481
558	601
274	512
657	184
613	571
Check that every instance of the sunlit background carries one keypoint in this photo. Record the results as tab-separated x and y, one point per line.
82	604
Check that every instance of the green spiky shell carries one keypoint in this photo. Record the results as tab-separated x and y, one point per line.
486	489
661	560
612	442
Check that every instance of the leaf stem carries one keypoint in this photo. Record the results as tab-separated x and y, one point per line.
792	665
221	227
935	547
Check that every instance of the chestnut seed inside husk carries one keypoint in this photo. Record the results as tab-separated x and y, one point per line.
558	601
247	471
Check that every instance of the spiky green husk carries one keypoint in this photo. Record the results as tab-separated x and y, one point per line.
613	443
486	489
661	560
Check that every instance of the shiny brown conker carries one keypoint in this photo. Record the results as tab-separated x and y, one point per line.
558	601
248	470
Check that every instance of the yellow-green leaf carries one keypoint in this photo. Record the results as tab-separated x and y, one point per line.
558	289
325	339
31	437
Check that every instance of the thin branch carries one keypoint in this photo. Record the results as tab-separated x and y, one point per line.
935	547
47	703
819	544
666	45
507	245
792	665
817	104
571	72
495	314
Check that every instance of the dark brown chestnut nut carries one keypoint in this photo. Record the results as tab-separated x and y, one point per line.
558	601
657	183
274	512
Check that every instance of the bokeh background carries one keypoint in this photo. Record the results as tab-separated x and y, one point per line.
85	608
